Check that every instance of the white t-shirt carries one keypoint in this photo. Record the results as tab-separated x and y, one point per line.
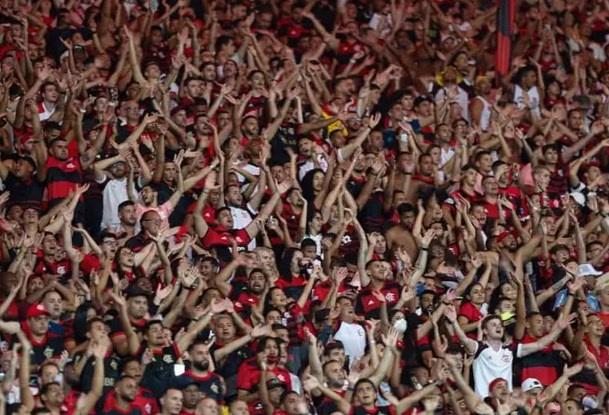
462	99
534	99
490	364
114	193
353	338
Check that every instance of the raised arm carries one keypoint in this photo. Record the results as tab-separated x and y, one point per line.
470	345
530	348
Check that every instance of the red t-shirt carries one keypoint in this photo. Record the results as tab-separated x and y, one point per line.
220	236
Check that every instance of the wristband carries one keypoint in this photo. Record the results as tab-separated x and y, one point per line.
424	249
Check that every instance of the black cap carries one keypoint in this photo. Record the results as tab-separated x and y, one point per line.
182	382
421	99
275	383
135	291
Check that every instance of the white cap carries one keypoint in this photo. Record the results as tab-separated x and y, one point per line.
531	383
579	198
587	269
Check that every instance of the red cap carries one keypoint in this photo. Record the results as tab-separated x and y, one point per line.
504	235
494	383
36	310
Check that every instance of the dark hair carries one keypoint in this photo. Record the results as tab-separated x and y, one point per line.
45	388
81	324
222	40
496	297
126	360
522	72
151	323
488	318
39	411
263	342
94	320
47	363
124	204
52	142
365	380
278	326
119	269
407	207
196	342
286	260
307	242
222	209
307	185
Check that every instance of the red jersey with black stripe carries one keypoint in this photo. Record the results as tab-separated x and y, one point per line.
62	177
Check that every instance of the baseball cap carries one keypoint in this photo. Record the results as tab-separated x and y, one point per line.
29	205
495	383
588	269
504	235
135	291
531	383
422	98
36	310
579	198
274	383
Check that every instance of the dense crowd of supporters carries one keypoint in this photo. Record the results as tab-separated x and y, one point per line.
303	207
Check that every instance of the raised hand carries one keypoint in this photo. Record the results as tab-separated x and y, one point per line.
261	331
310	383
451	313
284	186
163	292
391	339
178	159
374	120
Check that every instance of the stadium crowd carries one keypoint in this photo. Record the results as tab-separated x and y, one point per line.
303	207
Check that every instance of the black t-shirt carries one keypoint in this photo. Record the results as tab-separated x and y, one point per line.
159	373
181	209
230	366
51	346
23	190
212	385
111	372
372	214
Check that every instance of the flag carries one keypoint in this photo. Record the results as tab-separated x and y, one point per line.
506	10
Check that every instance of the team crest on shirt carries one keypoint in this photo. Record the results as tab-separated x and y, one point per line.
113	364
168	358
214	388
390	297
48	352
